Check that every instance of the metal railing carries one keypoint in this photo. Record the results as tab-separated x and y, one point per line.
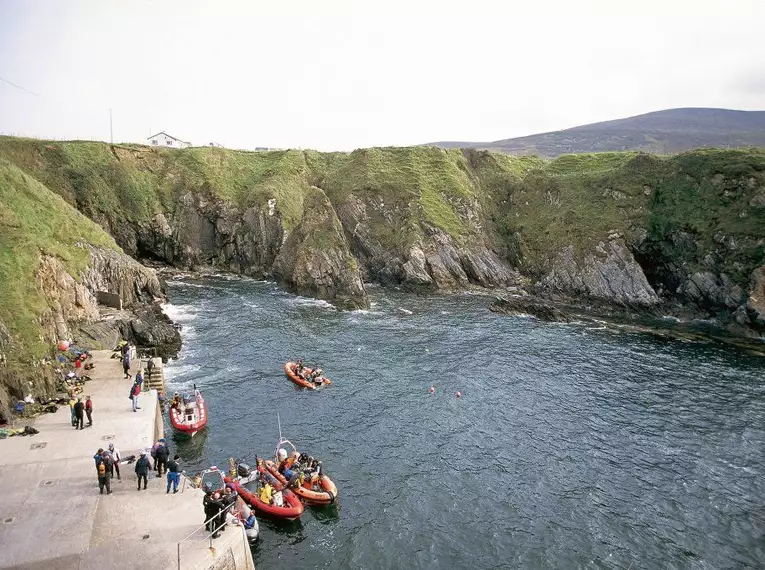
223	514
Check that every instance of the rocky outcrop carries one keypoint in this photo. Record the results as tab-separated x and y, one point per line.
73	311
750	316
610	274
528	305
380	237
711	291
201	232
69	302
117	273
315	260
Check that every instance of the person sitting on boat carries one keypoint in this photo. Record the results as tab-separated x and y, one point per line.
251	521
266	492
278	499
299	368
176	401
314	471
318	377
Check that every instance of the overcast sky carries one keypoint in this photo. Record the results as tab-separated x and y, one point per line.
338	75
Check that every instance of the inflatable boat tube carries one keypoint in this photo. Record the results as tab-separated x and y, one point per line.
291	510
289	369
326	496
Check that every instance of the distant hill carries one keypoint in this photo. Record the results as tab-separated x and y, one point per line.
669	131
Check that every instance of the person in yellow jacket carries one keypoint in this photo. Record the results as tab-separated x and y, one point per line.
265	493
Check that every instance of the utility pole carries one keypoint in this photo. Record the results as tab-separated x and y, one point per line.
111	128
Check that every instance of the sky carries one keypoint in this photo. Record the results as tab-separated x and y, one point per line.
345	74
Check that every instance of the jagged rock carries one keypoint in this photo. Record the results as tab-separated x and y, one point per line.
528	305
710	291
613	276
415	273
117	273
257	242
151	328
751	315
100	335
193	232
316	261
68	301
484	268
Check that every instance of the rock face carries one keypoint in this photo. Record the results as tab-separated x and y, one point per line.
73	310
708	290
528	305
610	274
202	232
750	316
378	236
315	260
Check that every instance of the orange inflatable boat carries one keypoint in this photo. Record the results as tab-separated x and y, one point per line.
289	369
321	491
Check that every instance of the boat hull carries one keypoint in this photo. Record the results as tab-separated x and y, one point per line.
327	496
190	420
289	370
291	511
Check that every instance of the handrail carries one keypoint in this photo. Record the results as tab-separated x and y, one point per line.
204	526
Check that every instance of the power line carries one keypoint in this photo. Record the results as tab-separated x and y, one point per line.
11	83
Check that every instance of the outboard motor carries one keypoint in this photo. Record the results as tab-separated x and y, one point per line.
243	470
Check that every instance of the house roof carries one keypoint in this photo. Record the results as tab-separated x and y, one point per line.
168	136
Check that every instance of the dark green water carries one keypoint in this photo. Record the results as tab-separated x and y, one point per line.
572	446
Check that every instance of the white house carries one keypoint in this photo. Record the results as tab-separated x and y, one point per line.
163	139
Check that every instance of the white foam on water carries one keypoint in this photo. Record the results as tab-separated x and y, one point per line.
405	311
195	285
176	370
308	302
179	313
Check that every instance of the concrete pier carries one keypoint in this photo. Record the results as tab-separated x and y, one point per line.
51	512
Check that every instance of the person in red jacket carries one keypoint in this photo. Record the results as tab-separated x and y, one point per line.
89	410
134	392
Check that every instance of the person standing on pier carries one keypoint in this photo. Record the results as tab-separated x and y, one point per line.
142	469
174	473
162	453
126	365
210	510
89	410
79	414
104	473
115	455
134	393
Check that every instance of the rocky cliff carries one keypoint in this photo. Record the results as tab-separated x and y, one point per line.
53	263
672	235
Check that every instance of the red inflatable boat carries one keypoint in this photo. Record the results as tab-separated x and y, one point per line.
291	510
191	415
289	369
